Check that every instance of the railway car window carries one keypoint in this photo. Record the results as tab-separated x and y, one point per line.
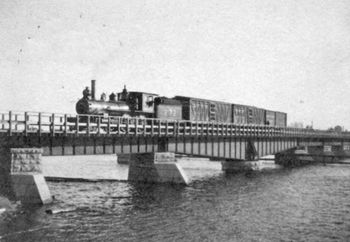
149	100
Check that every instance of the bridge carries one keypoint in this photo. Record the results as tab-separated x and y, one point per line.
149	144
64	134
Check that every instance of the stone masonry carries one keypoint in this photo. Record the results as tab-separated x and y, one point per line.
25	160
28	182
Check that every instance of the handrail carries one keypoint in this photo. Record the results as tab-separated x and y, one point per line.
28	123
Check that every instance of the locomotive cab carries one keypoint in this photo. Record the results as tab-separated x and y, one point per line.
140	103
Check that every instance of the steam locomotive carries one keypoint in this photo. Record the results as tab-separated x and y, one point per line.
150	105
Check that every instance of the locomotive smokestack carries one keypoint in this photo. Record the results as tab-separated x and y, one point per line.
93	86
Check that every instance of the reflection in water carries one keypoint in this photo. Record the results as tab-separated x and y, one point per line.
309	203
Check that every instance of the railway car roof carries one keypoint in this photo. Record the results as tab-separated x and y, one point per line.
200	99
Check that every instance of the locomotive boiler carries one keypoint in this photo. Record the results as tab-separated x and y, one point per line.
117	108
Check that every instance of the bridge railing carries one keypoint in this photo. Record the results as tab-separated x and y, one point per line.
64	124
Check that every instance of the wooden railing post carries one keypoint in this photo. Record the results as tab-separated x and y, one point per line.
77	125
159	127
53	124
88	125
119	123
202	129
262	130
152	127
25	123
10	123
136	122
61	126
98	125
3	121
16	122
127	126
144	127
267	131
108	125
166	128
176	128
191	125
65	125
184	128
39	124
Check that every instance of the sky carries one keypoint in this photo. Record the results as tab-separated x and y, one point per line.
286	55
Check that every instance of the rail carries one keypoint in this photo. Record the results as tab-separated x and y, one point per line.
29	123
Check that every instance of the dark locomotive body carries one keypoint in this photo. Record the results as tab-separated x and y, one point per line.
129	104
149	105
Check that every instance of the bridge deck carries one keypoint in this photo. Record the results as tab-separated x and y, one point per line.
29	123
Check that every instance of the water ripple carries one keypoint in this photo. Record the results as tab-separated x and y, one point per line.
304	204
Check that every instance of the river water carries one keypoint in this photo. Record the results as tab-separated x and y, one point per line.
302	204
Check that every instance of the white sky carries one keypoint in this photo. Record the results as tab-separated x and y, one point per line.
292	56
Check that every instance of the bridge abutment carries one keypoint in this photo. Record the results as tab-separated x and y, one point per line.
23	178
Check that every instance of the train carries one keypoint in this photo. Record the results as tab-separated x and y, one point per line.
150	105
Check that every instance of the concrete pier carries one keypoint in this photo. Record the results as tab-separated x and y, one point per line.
158	167
28	182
